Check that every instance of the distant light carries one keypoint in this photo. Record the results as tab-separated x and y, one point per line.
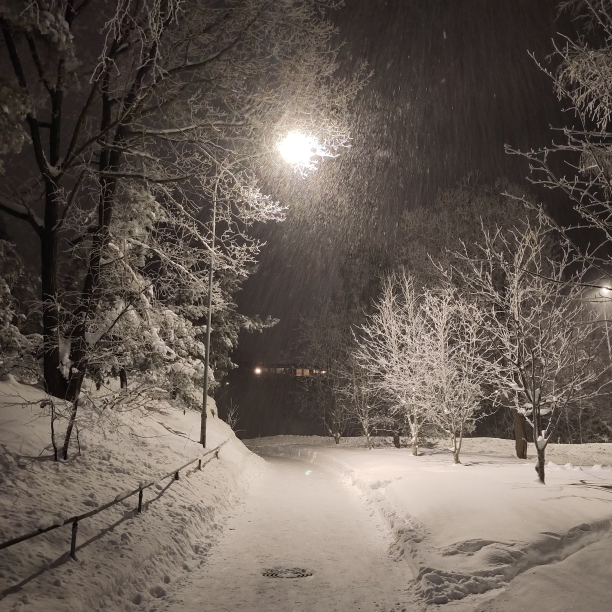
257	370
297	149
323	371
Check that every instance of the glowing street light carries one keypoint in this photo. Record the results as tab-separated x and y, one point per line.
298	150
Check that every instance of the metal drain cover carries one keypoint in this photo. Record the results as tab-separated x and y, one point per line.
287	572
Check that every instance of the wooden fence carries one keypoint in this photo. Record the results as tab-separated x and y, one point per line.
118	499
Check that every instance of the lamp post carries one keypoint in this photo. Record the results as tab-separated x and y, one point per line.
297	150
208	322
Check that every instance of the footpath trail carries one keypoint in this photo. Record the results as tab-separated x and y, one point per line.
298	515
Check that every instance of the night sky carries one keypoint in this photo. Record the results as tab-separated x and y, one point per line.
452	83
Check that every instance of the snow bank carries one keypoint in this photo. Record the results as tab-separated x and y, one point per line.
125	560
472	528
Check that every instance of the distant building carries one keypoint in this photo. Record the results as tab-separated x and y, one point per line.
287	369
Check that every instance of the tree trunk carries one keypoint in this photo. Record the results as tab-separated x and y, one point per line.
540	464
74	387
457	446
456	449
53	430
396	439
123	378
73	393
337	437
520	434
71	423
414	430
55	383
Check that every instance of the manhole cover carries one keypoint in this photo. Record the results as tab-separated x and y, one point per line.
287	572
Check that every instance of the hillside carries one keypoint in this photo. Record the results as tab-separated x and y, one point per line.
124	560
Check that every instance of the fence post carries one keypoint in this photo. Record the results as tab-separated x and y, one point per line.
176	475
139	501
199	464
75	528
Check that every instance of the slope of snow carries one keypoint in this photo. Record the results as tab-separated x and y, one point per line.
472	529
125	561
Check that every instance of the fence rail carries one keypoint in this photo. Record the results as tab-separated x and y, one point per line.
118	499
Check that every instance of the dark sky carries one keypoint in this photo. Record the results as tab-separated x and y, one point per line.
453	83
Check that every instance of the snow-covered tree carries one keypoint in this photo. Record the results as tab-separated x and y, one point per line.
579	161
17	347
544	340
454	373
389	348
138	121
430	235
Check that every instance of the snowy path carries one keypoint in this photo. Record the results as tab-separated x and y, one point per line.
298	515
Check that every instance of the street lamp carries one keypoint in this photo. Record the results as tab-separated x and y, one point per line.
298	150
208	322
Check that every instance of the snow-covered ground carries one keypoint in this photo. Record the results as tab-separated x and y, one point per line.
299	516
125	561
485	535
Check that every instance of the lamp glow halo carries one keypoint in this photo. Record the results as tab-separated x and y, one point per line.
297	149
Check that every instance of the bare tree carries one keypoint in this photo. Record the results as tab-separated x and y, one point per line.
432	233
232	416
544	340
356	386
579	161
389	348
454	373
